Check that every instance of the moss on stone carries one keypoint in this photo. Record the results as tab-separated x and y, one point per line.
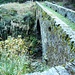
63	35
67	21
72	60
73	49
63	65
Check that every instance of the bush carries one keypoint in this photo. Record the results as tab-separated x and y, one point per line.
13	57
7	1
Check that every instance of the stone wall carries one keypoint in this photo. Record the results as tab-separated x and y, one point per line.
70	14
58	40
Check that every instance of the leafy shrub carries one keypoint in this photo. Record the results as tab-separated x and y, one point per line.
74	5
14	53
13	57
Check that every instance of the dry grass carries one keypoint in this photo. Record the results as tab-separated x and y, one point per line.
20	8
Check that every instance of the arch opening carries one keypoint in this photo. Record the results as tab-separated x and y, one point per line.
38	30
38	36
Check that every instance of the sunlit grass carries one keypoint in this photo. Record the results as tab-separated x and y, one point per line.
13	57
67	21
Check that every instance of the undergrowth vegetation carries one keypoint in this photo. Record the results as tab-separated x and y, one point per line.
18	41
15	58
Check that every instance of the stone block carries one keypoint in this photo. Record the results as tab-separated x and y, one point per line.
70	14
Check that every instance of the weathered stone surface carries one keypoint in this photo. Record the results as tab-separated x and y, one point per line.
52	71
58	39
71	68
62	70
35	73
70	14
58	70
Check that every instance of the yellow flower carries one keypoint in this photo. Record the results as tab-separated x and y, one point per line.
31	52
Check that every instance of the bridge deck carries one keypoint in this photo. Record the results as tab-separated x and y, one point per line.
56	15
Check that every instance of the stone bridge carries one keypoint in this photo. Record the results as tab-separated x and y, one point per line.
58	40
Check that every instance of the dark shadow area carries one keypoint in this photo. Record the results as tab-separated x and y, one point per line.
38	49
49	28
55	10
65	15
38	31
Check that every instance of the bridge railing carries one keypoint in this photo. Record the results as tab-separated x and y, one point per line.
68	13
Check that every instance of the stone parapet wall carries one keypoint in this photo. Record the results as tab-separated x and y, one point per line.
58	39
70	14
